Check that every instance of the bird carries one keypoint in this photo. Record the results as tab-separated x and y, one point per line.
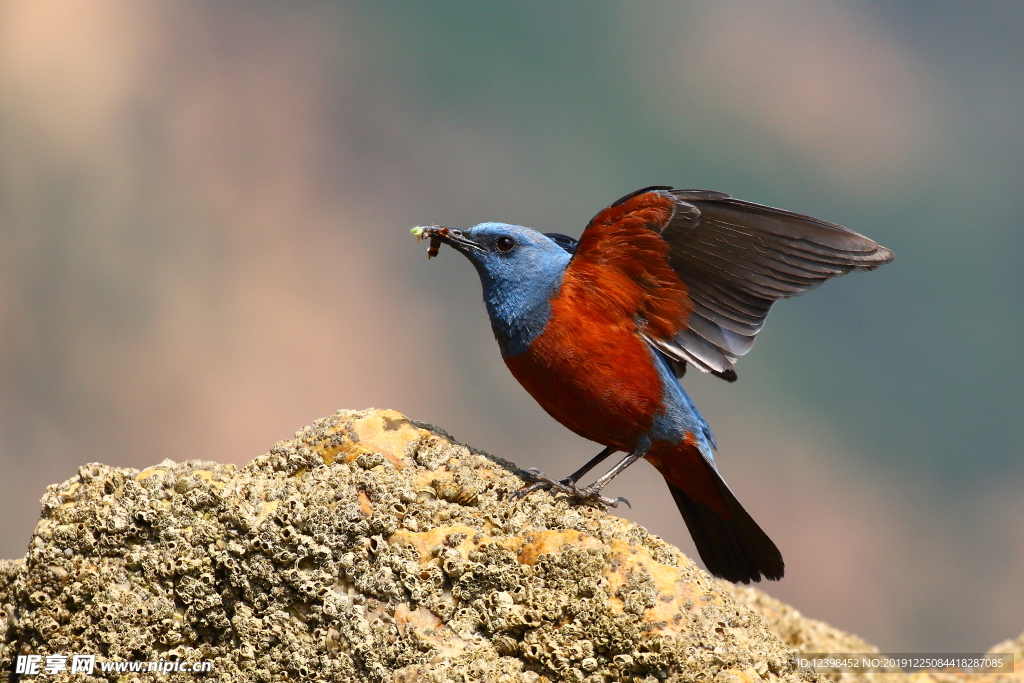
600	331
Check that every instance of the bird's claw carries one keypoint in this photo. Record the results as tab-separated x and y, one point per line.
540	482
587	494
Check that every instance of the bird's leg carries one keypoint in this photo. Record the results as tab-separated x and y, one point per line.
590	493
542	481
593	492
591	464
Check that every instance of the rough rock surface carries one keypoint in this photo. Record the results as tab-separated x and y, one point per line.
374	548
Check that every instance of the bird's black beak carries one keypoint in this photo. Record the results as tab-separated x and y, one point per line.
438	235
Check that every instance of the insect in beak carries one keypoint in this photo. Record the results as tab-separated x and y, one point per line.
435	233
439	235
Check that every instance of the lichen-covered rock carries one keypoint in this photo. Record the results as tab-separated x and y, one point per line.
796	630
368	548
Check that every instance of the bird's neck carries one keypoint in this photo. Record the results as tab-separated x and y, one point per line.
520	310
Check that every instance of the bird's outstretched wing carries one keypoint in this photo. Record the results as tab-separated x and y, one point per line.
735	258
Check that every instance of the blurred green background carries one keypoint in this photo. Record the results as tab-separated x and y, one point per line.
204	213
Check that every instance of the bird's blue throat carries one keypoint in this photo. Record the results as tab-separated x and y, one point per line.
518	286
520	313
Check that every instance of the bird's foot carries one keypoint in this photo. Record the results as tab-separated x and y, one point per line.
587	494
592	494
541	482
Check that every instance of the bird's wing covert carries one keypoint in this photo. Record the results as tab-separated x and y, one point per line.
619	271
736	259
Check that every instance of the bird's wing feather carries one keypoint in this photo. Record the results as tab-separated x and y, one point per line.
622	263
736	259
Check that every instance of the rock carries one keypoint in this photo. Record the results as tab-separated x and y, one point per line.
796	630
372	547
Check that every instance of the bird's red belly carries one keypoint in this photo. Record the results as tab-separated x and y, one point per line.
596	378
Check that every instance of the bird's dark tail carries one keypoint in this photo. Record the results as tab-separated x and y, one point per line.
734	549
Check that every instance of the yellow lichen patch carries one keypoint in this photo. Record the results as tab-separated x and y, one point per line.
344	452
383	431
150	472
267	507
390	425
672	591
553	541
350	452
425	541
425	478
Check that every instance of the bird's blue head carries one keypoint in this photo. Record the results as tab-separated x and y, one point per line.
520	270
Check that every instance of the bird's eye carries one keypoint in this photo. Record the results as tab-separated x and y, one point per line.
505	243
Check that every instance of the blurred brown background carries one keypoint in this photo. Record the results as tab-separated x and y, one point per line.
204	213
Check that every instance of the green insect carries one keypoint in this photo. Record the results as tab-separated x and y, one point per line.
435	233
